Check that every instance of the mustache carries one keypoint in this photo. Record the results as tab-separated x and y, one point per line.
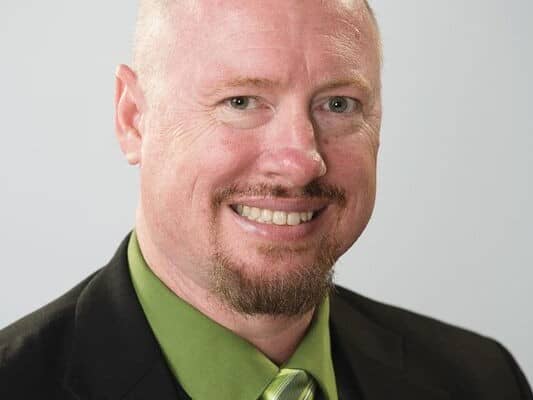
313	190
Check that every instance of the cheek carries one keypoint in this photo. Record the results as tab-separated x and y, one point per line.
356	174
352	166
351	162
225	160
186	172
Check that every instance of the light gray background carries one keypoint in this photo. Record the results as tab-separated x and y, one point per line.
453	225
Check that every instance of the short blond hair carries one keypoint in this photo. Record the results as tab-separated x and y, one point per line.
153	21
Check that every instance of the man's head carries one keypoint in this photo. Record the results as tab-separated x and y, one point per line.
256	128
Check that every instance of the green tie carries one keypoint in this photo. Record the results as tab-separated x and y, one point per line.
290	384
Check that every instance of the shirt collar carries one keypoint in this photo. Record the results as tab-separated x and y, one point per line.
210	361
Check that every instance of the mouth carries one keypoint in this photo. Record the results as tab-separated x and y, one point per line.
269	216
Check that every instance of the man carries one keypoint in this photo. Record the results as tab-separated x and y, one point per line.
256	129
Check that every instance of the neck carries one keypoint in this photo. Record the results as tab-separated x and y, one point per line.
275	336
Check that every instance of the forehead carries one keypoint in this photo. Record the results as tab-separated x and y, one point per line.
291	37
281	21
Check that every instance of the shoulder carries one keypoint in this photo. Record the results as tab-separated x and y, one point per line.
437	351
414	327
36	347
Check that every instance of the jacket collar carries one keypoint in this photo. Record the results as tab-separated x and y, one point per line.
114	353
374	354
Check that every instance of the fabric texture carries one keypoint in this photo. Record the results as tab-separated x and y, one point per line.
94	342
290	384
209	360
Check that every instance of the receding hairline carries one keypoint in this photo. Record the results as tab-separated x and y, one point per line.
370	10
148	9
152	20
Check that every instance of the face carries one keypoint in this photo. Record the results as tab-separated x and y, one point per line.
259	150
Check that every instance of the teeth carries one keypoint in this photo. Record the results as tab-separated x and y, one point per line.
266	216
254	213
279	218
293	218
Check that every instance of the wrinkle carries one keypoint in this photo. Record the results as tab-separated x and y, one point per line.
343	46
185	132
371	136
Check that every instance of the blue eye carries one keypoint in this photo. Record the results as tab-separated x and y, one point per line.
342	105
242	102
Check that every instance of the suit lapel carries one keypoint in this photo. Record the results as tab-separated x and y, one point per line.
371	359
115	355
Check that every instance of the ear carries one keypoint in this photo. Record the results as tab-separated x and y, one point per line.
129	102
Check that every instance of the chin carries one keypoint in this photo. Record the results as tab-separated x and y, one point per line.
279	283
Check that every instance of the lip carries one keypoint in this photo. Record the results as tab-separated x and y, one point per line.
281	233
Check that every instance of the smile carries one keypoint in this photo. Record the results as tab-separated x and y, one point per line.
276	217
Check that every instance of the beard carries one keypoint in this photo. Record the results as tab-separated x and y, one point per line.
274	292
284	293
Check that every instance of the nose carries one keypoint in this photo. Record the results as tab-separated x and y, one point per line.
291	157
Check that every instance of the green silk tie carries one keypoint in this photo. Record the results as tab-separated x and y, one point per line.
290	384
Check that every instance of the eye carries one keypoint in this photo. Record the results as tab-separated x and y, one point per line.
242	102
342	105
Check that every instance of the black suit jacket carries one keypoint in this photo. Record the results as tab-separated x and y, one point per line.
95	343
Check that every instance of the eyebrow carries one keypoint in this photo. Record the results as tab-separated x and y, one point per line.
259	83
356	80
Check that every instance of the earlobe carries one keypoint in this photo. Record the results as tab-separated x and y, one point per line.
128	113
132	147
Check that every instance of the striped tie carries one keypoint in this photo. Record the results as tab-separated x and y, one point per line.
290	384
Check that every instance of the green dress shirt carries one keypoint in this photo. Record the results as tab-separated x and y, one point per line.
210	361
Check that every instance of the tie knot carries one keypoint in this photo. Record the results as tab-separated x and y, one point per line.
290	384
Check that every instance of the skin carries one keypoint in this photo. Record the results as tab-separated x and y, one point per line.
191	145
